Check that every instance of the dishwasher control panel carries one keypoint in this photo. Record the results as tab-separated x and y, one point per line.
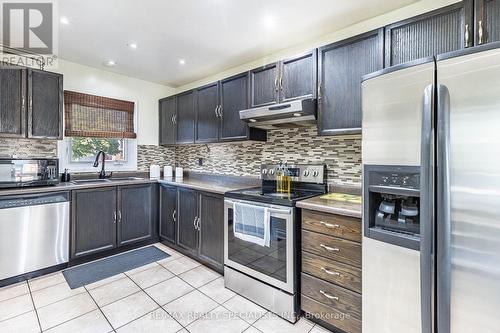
33	200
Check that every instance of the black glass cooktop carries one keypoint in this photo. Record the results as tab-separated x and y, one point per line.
272	197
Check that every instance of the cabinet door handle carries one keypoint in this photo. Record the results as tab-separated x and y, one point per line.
194	222
481	32
23	103
31	103
114	217
172	119
220	110
216	111
335	298
327	271
329	248
198	223
119	216
467	36
276	83
319	91
173	215
281	82
329	225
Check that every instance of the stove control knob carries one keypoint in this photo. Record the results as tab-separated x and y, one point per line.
315	173
264	172
306	173
271	172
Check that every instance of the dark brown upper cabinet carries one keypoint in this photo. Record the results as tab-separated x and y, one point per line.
341	68
298	77
443	30
185	119
207	113
233	99
487	22
168	113
284	81
45	105
264	85
31	103
12	101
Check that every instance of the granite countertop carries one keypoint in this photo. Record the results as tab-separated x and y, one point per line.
207	185
219	185
332	206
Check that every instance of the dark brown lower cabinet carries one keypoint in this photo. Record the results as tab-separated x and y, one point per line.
193	222
93	221
109	217
211	228
331	280
136	213
187	215
168	212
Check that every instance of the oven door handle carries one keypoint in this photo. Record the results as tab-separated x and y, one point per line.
271	210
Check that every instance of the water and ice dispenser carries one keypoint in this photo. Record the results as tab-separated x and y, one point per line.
392	204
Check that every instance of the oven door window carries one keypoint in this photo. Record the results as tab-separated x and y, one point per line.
272	260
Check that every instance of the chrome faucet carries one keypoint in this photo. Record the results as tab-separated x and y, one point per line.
102	174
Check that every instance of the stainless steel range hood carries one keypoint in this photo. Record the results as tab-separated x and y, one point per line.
299	113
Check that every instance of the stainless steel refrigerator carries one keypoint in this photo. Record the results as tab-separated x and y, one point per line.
431	195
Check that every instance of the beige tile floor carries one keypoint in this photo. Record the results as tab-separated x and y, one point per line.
176	294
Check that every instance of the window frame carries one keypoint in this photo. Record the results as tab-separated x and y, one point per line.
64	153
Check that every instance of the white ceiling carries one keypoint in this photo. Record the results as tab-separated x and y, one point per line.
211	35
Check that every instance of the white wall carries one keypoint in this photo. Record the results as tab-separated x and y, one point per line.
103	83
417	8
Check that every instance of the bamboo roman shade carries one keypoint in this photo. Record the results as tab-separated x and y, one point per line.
98	117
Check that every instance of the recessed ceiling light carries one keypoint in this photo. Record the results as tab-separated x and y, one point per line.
182	61
109	63
64	20
268	22
132	45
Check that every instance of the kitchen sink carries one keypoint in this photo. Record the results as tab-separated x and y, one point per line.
90	181
125	178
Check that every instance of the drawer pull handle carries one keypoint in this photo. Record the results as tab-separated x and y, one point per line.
329	225
327	271
328	248
335	298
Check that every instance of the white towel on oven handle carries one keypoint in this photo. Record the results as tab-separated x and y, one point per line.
252	224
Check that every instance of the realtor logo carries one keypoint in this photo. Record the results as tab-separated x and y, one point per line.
28	27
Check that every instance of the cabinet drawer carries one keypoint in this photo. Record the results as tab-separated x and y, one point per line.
338	249
334	225
331	295
332	271
330	315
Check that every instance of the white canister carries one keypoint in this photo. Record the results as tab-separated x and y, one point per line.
179	173
167	171
154	171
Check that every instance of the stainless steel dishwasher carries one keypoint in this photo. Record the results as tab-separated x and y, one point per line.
34	232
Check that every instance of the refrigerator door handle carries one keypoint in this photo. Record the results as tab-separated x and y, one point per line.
443	212
427	211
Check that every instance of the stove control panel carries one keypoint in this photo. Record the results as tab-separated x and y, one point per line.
298	172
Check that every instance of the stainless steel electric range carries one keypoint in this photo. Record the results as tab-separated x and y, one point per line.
268	274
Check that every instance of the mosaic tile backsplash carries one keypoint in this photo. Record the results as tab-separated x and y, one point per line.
341	154
151	154
24	148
